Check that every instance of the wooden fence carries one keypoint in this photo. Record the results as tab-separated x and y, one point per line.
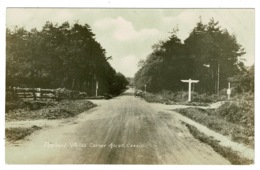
34	93
55	94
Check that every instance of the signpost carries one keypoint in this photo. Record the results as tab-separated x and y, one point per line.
229	91
145	88
96	88
190	81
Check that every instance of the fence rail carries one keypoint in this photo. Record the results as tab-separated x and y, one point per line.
55	94
34	93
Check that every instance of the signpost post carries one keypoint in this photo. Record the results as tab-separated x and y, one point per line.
229	91
96	88
190	81
145	88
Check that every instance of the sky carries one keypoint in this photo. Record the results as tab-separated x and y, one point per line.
128	34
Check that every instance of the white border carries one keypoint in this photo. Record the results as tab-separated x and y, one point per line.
122	4
135	3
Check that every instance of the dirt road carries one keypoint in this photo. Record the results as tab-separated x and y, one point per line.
123	130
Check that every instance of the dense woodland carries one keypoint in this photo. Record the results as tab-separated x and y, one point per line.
60	56
210	54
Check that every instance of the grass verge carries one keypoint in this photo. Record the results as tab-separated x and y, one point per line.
14	134
53	110
226	152
207	117
177	98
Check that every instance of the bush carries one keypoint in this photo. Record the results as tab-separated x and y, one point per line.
152	98
204	98
169	97
55	110
28	105
16	104
13	134
226	152
240	110
229	119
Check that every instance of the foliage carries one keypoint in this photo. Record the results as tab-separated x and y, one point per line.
119	83
233	118
239	111
14	134
30	110
59	56
207	54
181	97
29	105
244	82
233	156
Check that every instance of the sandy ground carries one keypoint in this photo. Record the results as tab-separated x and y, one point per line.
123	130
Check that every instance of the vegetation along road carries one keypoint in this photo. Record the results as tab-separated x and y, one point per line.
67	59
123	130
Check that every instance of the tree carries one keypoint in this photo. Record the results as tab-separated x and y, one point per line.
210	45
165	67
59	56
244	82
207	45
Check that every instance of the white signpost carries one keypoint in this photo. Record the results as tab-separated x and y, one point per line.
229	91
96	88
190	81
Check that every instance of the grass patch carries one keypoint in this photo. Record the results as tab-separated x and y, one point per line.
14	134
208	118
28	104
235	118
226	152
50	110
181	97
177	98
239	111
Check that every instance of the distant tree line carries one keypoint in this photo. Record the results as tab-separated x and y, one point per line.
60	56
210	54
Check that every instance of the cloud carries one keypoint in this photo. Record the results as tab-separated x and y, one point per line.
128	34
127	65
64	16
237	21
185	21
124	42
123	30
128	43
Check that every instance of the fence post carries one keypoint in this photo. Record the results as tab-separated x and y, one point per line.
34	96
24	94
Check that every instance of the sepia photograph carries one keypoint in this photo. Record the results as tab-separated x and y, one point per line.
149	86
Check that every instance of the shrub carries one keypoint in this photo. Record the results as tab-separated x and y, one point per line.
13	134
56	110
233	156
240	110
218	123
169	97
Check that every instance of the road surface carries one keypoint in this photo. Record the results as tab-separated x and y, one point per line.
123	130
